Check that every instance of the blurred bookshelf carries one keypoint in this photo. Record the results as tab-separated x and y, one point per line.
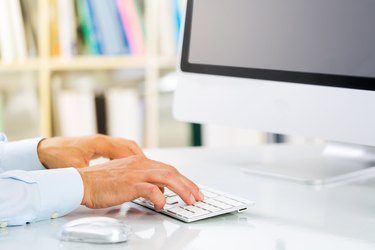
39	19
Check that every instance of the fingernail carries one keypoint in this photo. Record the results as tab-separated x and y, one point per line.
192	199
201	196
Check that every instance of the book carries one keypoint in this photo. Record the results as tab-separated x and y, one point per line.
29	11
88	27
7	38
168	42
76	112
124	114
131	20
21	107
67	28
54	28
177	18
16	23
107	20
101	113
181	9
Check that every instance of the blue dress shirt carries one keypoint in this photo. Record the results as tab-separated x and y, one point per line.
29	192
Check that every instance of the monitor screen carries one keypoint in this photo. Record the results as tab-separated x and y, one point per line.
323	42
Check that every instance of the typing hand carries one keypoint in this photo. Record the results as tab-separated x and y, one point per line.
60	152
122	180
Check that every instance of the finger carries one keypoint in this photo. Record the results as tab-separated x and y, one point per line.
195	190
174	181
151	192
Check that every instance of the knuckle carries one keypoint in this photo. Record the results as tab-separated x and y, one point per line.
173	169
134	146
132	142
168	174
138	158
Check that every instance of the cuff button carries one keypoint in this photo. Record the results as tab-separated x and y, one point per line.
54	215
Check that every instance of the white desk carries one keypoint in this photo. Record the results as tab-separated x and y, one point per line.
287	216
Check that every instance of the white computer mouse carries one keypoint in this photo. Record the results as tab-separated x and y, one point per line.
95	230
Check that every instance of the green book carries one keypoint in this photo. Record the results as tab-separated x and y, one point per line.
87	27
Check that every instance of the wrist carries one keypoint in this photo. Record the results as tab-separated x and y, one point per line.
86	185
41	152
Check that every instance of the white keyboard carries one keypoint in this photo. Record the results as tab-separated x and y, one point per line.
214	203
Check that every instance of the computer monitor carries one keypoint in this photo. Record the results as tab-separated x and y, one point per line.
291	67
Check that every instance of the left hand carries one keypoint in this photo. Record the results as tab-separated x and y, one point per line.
62	152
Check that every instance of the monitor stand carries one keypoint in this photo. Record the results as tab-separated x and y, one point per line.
316	165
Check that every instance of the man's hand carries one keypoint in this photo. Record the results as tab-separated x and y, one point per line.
122	180
60	152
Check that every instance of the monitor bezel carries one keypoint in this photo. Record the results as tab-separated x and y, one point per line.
330	80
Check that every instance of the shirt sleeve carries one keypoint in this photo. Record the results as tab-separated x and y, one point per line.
21	155
29	196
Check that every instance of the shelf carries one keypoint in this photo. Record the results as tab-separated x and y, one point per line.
96	63
88	63
28	65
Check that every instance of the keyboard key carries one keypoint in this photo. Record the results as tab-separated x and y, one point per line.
173	200
169	193
188	214
207	207
228	201
192	208
208	194
166	206
145	202
201	212
176	210
180	211
218	204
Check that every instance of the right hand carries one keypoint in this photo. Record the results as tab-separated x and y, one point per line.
126	179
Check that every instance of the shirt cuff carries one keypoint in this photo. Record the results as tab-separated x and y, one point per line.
61	192
21	155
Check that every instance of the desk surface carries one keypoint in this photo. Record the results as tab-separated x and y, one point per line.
287	215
